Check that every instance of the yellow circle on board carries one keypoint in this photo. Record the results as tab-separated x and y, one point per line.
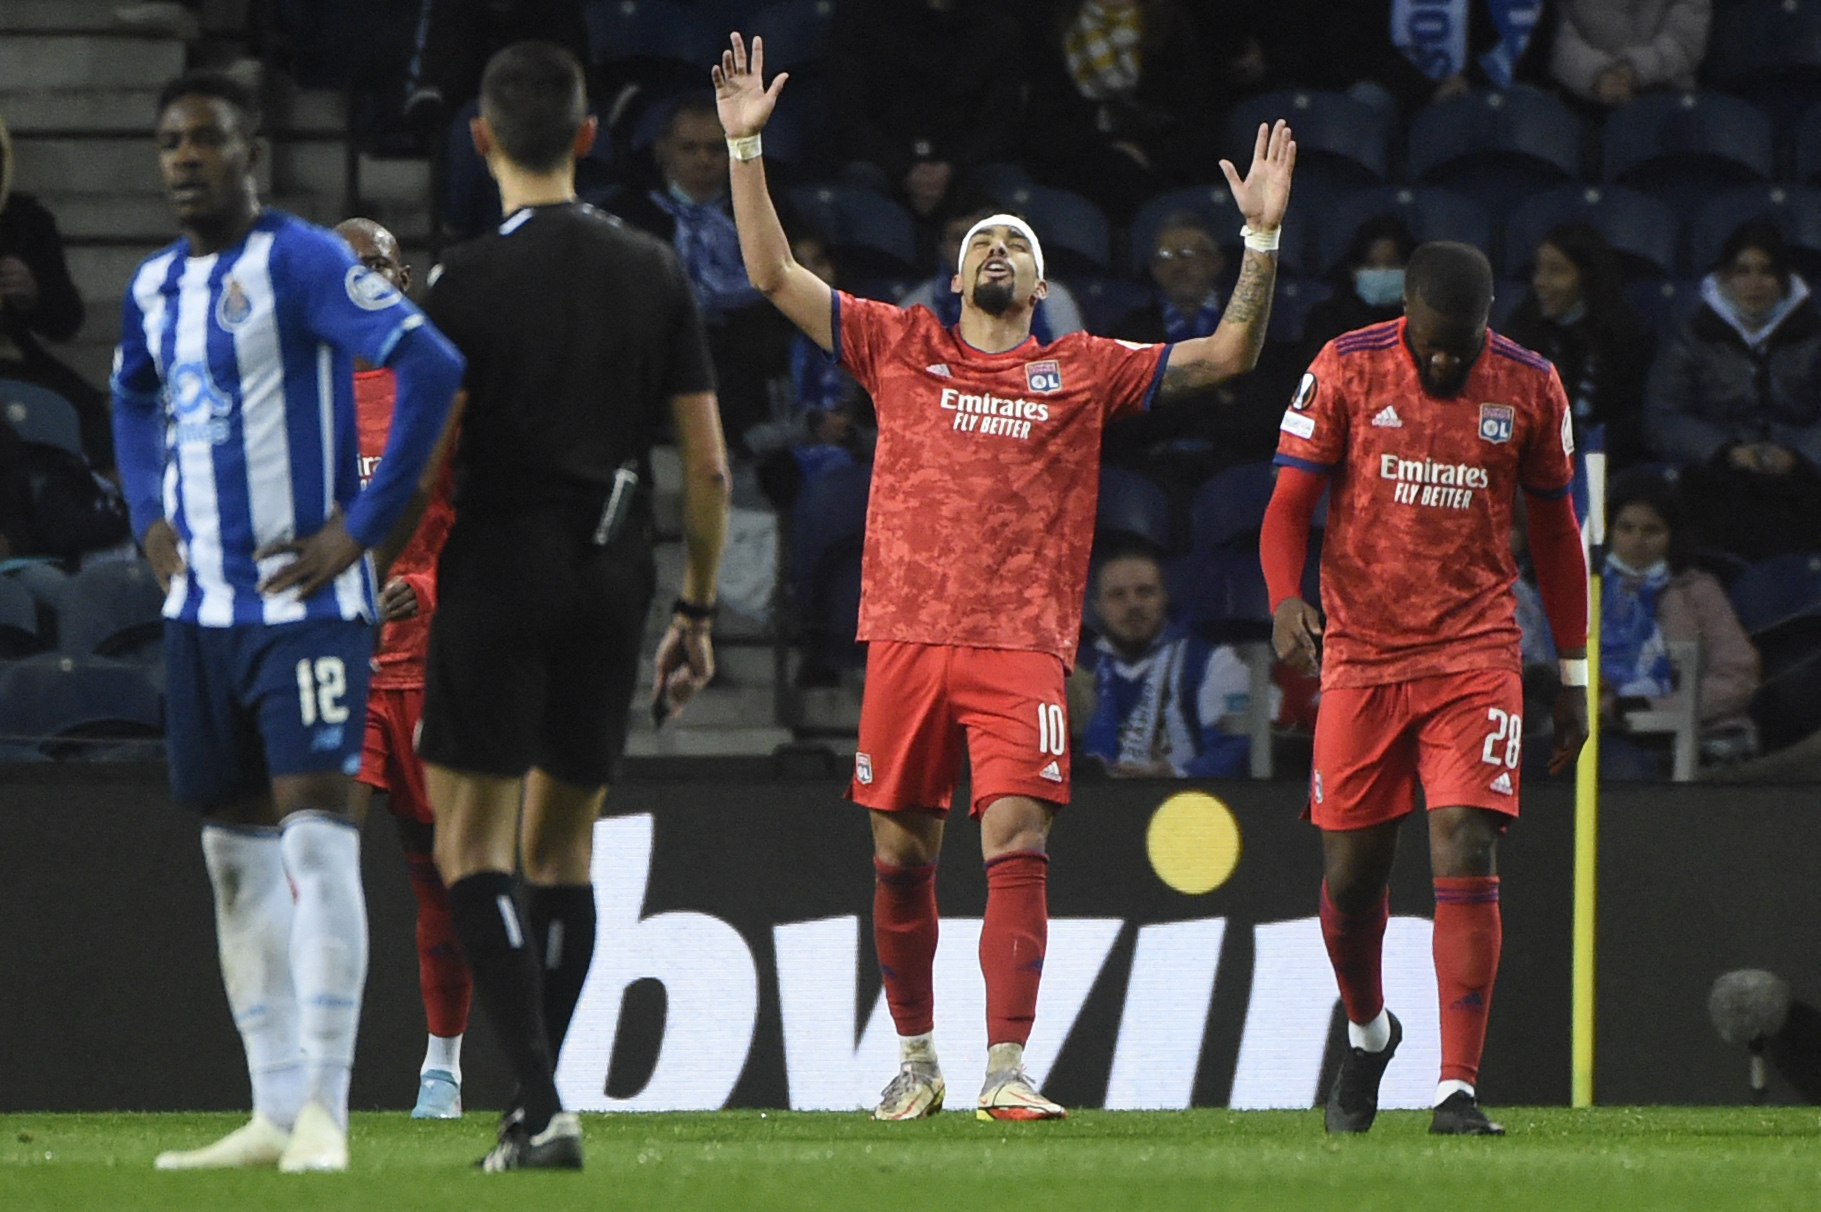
1193	842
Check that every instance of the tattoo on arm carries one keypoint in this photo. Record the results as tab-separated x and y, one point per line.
1248	312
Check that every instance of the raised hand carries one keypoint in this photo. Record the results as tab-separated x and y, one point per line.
1264	193
740	95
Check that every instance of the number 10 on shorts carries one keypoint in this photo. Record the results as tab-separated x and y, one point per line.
1507	729
1052	730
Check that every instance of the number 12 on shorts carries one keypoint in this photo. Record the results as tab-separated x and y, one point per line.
1508	729
321	685
1052	730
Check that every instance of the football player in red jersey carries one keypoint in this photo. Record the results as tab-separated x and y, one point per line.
1423	430
395	703
977	538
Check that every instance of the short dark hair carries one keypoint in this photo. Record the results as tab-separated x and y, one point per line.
535	101
1765	236
1645	486
700	105
1122	545
1453	278
218	86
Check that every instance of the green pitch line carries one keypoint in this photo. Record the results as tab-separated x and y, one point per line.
1608	1158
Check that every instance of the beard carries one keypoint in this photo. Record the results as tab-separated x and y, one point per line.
993	298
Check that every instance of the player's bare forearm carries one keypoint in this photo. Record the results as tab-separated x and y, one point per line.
1232	349
706	488
800	295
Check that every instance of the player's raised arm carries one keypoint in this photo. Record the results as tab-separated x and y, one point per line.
1232	349
745	104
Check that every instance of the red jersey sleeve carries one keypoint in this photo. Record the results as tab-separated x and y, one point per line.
1313	433
1129	372
1547	466
865	331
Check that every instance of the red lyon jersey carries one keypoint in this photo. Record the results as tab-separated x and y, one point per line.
1416	566
985	478
402	645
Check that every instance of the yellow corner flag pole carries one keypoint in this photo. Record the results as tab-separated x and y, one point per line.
1587	800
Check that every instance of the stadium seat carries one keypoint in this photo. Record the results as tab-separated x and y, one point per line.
1231	504
830	509
1767	52
113	609
831	617
1290	307
1682	147
1430	214
1496	147
1106	301
1663	303
1341	141
1797	211
1077	239
1775	591
1214	205
795	33
65	705
1808	146
39	414
1000	178
874	235
1221	593
1132	504
18	622
1641	229
662	46
1507	293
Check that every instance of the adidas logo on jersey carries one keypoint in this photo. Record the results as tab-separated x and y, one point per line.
1052	772
1387	418
941	369
1502	784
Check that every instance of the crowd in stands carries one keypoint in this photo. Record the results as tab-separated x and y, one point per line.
1639	171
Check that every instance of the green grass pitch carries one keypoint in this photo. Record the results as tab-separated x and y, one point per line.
1714	1160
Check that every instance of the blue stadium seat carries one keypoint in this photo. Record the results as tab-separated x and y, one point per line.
1220	591
1340	141
1682	147
1641	229
18	621
874	235
1000	178
65	705
1106	301
1077	239
1231	504
1290	307
1808	146
1507	293
1796	210
652	29
1496	147
1430	214
113	609
1663	303
1132	504
795	33
829	511
1214	205
1775	591
1767	52
39	414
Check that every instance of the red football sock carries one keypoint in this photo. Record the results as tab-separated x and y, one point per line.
442	973
904	935
1356	950
1467	937
1012	940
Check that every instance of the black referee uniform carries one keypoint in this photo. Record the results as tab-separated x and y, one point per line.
578	331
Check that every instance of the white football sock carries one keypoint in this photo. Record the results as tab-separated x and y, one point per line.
1004	1056
253	922
445	1054
1374	1036
920	1049
1444	1090
328	951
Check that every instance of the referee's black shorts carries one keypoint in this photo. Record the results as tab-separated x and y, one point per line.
534	647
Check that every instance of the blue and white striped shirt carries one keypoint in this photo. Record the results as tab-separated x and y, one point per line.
247	354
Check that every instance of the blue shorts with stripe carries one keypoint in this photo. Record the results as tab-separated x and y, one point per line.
246	703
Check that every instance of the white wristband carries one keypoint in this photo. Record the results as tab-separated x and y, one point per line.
1261	241
746	147
1574	673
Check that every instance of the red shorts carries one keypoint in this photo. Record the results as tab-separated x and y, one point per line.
925	704
388	756
1459	734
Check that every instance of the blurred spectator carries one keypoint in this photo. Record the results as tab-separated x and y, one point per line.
926	90
39	300
1255	46
1186	265
1368	284
1608	51
821	418
1651	598
1735	397
1156	703
1057	313
1119	103
1576	315
1401	56
455	38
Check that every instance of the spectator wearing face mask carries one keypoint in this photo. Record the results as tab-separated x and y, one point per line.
1576	315
1368	284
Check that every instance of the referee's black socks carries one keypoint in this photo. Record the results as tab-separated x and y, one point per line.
562	925
508	979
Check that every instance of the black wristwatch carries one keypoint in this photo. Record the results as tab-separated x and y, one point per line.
692	611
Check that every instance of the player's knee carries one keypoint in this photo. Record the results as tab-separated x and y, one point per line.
1014	823
551	861
1462	842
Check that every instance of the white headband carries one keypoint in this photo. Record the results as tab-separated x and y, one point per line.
1012	221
